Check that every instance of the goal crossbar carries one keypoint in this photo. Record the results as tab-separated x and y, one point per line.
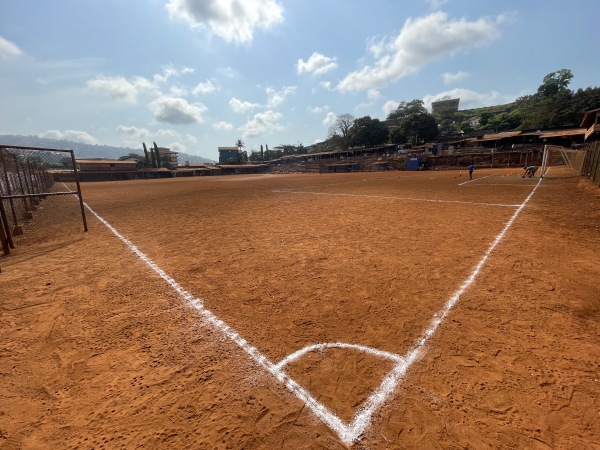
561	162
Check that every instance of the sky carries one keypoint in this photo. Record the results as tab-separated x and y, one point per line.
194	75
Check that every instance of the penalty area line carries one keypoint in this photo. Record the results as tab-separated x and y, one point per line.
391	197
321	411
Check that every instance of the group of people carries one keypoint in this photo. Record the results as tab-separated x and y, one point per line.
529	171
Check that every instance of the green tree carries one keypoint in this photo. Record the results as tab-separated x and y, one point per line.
396	136
405	109
419	127
368	132
165	161
341	127
555	82
241	157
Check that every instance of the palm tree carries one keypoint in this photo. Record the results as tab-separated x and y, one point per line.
240	145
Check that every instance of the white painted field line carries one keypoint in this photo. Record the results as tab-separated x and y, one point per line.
347	433
322	412
411	199
362	418
476	179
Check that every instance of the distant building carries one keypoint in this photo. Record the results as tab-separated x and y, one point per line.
442	106
228	154
173	156
105	169
473	121
591	122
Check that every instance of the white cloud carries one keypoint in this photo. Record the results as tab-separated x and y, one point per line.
120	88
177	91
177	111
450	78
191	139
471	99
133	131
275	98
171	71
389	106
262	123
239	106
223	126
177	146
166	132
8	49
232	20
70	135
205	87
318	109
317	64
329	119
420	42
325	85
373	94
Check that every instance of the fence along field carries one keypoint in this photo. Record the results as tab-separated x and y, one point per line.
40	196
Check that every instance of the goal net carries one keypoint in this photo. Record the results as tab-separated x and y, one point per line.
561	162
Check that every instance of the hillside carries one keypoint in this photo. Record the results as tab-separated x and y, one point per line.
86	150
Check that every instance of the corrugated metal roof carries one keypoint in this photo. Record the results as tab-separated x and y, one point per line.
497	136
559	133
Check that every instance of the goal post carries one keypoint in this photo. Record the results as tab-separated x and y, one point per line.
562	162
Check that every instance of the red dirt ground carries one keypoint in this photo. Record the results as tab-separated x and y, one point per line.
97	351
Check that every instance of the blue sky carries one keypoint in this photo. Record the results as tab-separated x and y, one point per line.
197	74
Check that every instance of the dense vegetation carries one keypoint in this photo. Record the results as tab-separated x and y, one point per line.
553	106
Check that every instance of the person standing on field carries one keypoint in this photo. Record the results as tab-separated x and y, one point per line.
471	169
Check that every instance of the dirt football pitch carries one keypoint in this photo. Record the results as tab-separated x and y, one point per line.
384	310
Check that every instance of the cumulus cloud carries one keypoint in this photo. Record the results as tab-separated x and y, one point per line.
166	132
420	41
8	49
223	126
471	99
325	85
240	106
177	111
318	109
205	87
169	72
276	98
389	106
317	64
191	139
329	119
127	90
118	88
69	135
177	146
262	123
450	78
133	131
232	20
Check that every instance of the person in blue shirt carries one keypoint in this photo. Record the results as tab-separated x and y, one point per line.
471	169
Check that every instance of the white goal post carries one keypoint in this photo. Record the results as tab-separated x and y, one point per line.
561	162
